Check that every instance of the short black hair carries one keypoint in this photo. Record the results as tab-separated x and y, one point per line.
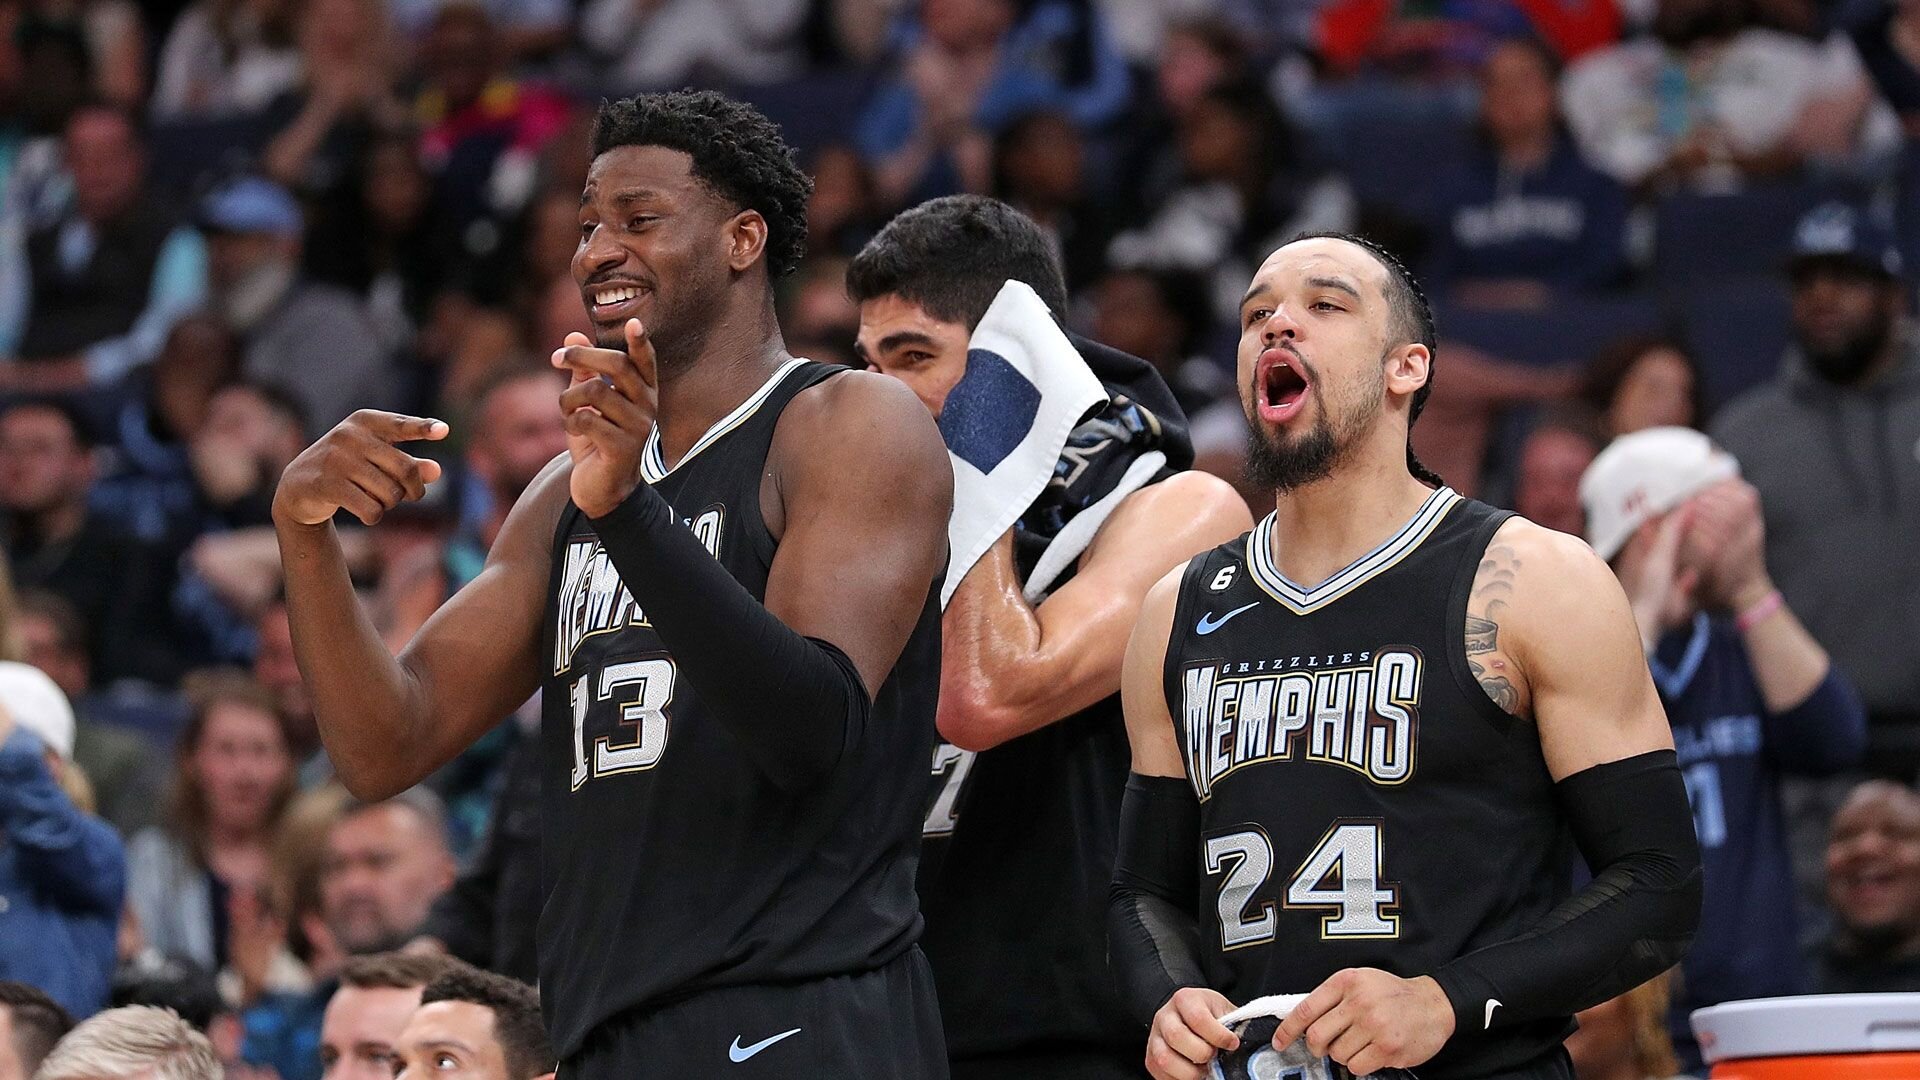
737	153
951	256
1412	321
516	1015
37	1020
169	982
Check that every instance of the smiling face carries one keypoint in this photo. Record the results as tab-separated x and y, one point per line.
1873	863
898	338
1319	360
658	245
452	1039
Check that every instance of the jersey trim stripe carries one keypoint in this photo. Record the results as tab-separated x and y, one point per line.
1304	601
654	467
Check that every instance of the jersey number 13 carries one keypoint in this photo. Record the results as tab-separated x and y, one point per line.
638	693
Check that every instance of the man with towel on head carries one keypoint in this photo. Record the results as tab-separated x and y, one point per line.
1070	500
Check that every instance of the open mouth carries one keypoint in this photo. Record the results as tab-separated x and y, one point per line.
614	301
1283	387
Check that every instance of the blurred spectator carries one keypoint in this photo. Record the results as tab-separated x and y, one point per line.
56	543
549	299
666	44
1643	382
312	340
191	992
841	215
483	132
1158	316
1239	184
1873	886
476	1024
1040	169
62	871
134	1041
1523	216
226	58
360	1036
200	884
151	487
350	62
89	294
382	245
1830	443
818	318
299	862
1750	694
962	70
488	917
276	668
30	1024
1710	101
1553	457
46	71
1435	43
1626	1038
126	773
386	863
529	29
109	34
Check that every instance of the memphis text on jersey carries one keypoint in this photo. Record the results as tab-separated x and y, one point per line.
1359	711
593	600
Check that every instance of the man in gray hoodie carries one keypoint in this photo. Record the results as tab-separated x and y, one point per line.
1833	445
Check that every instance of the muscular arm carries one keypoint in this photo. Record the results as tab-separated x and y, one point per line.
1008	668
388	721
861	496
1550	636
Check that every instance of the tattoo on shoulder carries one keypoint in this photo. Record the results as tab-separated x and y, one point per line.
1493	587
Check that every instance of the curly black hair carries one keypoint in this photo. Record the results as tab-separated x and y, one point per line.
737	153
517	1026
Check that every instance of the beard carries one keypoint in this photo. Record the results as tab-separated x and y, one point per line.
1283	464
1843	364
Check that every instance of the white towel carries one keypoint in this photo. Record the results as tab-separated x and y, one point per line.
1006	421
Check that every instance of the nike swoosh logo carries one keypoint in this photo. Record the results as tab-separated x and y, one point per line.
1208	624
1492	1004
737	1053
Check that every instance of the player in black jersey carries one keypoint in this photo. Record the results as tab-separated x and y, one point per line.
1025	806
1363	787
727	594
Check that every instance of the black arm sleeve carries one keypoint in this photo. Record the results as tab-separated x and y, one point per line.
1153	936
1632	921
795	703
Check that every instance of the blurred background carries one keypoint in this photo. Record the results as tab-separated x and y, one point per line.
225	224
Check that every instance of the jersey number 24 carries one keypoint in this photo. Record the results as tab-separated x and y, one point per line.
1341	877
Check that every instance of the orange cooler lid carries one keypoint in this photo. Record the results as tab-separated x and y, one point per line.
1820	1024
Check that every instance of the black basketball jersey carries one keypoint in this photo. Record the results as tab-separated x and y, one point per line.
1362	802
672	865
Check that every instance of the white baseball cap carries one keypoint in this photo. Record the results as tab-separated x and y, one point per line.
1640	476
37	705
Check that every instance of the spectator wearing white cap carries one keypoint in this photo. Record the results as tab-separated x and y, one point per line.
1750	694
62	871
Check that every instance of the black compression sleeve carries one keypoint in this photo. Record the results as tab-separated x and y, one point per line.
795	703
1632	921
1153	937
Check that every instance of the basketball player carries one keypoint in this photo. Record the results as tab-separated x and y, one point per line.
1025	808
1361	732
727	594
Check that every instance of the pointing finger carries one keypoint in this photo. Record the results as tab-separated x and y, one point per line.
591	362
640	349
398	427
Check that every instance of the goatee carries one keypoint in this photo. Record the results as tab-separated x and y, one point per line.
1282	466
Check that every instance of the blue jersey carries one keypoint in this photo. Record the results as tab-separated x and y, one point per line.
1732	753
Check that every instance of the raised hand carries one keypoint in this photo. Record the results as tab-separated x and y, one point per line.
609	411
357	468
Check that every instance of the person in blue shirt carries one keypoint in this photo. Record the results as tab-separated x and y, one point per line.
62	871
1522	216
1750	694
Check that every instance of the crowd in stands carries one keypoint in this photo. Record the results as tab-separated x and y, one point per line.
1672	245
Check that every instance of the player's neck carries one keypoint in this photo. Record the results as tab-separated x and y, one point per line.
1322	527
730	366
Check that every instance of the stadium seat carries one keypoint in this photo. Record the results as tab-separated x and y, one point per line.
1570	330
1738	328
1700	238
